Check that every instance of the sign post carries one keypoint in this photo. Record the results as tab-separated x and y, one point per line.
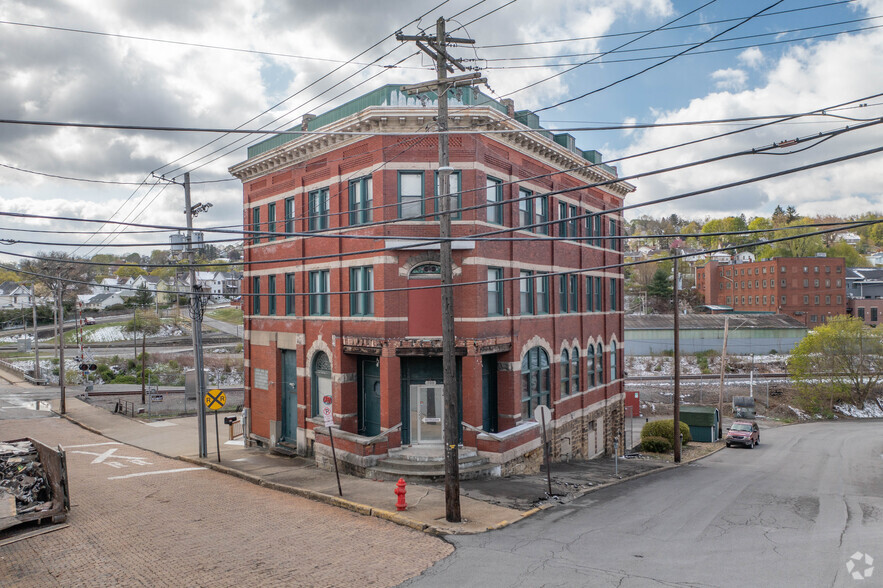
544	416
328	417
215	400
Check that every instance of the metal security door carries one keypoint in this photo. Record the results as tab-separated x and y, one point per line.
427	413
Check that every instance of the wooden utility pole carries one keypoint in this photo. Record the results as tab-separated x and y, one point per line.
677	368
720	399
435	47
59	301
195	323
37	374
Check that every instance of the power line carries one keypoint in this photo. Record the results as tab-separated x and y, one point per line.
94	181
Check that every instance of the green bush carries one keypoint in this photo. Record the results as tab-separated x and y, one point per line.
655	444
666	430
126	380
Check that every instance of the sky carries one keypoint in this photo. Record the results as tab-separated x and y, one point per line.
265	63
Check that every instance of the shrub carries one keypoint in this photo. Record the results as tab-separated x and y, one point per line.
655	444
665	429
126	380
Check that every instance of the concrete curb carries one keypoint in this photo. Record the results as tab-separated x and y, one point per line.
79	424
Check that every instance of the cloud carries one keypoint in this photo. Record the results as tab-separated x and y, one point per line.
803	79
751	57
729	79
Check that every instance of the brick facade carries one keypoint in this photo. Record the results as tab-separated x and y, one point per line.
810	289
358	319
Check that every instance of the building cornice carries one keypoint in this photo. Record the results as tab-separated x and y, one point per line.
405	120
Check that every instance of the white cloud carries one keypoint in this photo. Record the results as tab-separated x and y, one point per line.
751	57
729	79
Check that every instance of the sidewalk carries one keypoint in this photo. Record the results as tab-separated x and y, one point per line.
485	504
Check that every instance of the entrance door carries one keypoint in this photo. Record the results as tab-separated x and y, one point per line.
489	393
321	382
427	412
289	396
369	397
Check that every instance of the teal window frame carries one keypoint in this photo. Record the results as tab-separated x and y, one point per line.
525	207
614	365
320	300
361	200
543	295
290	298
574	371
612	236
599	364
271	295
541	214
564	364
563	222
574	222
574	293
256	295
563	298
362	291
526	293
613	304
271	221
256	224
289	215
599	237
590	365
318	204
598	295
411	197
495	291
590	300
494	187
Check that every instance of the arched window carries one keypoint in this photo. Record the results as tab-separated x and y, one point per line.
565	373
613	361
599	364
320	382
431	270
574	371
535	381
590	362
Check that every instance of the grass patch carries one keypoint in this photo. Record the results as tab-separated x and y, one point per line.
228	315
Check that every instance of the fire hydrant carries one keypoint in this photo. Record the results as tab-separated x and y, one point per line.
400	492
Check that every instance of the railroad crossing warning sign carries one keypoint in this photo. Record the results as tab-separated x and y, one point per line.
215	399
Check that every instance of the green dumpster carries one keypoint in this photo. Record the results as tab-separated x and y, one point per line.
703	422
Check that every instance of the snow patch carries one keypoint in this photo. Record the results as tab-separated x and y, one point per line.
871	410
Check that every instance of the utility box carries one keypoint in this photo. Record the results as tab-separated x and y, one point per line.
703	422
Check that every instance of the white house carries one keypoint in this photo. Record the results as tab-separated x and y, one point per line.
744	257
102	301
849	238
14	295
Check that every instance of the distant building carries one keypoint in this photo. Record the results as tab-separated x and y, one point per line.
102	301
810	289
864	291
13	295
848	238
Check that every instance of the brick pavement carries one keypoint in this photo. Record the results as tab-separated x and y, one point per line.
199	528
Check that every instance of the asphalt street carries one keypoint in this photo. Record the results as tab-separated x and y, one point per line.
791	512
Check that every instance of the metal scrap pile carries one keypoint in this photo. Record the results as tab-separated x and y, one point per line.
22	476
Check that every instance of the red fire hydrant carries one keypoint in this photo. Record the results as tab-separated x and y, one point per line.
400	492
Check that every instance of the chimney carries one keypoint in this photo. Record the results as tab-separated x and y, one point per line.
510	106
305	122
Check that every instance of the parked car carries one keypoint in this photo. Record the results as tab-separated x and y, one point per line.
743	433
90	320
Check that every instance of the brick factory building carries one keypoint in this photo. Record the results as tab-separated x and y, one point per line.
810	289
352	311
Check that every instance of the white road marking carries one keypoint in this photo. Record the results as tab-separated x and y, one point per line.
90	445
160	424
103	458
154	473
241	443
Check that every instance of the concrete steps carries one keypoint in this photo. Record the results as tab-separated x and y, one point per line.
421	464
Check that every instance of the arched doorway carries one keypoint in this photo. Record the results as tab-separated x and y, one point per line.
320	382
424	305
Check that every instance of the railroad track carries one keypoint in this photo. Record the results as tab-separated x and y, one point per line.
709	377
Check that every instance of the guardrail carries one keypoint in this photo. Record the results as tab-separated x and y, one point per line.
23	373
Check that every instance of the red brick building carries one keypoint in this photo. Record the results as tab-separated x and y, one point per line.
810	289
352	310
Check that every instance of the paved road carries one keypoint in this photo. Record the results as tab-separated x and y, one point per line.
17	402
138	519
789	513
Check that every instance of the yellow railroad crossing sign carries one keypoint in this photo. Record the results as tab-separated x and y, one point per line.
215	399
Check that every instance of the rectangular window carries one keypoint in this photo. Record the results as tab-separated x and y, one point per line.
598	242
524	217
319	297
541	214
816	299
827	300
816	283
361	200
598	294
494	291
271	295
806	283
361	291
613	294
874	314
454	192
271	221
495	201
590	230
613	242
784	300
839	299
563	223
564	299
542	294
256	224
590	299
255	295
318	204
805	299
861	315
289	215
525	290
289	294
574	222
411	195
574	293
